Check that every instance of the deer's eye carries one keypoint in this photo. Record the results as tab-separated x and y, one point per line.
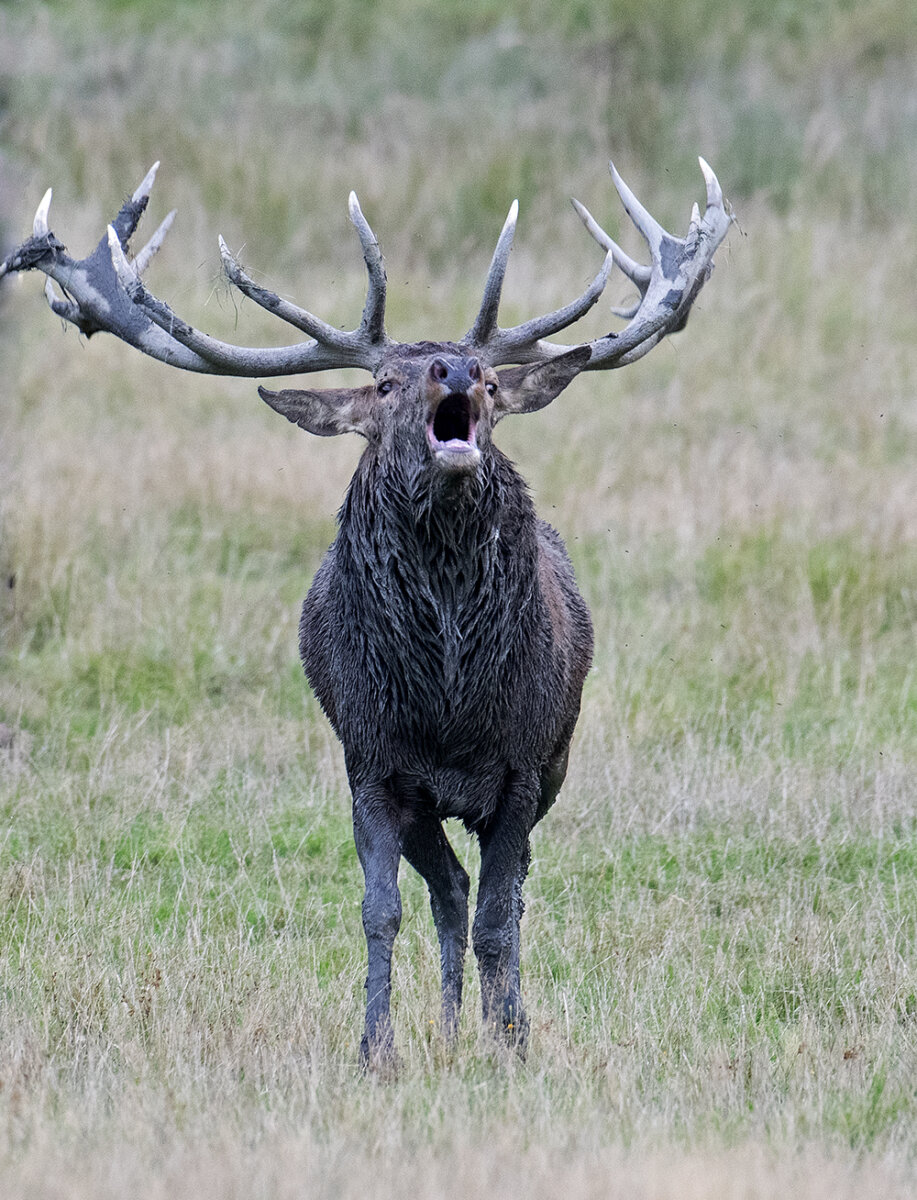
385	387
491	388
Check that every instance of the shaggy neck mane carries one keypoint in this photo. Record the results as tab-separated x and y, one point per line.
438	577
432	521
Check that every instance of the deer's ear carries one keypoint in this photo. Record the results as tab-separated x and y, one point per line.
526	389
327	411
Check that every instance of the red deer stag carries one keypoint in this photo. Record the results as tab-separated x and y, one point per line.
443	634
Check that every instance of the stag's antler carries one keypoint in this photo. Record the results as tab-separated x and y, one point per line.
668	287
105	292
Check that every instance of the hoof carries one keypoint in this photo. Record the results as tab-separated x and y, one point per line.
516	1035
378	1057
511	1033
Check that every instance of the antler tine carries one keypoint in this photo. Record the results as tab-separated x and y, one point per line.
40	221
146	184
485	324
652	231
714	191
520	343
300	318
636	272
143	257
41	244
65	309
627	311
516	344
132	209
372	324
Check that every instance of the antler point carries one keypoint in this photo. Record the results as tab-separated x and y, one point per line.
622	189
714	191
228	259
146	184
40	223
581	211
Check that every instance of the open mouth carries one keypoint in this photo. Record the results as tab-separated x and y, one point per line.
451	430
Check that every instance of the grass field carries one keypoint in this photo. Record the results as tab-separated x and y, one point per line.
719	952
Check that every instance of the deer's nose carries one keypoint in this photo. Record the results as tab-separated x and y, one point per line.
455	374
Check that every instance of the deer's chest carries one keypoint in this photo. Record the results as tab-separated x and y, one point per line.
435	657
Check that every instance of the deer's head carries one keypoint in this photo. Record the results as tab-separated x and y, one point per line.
433	405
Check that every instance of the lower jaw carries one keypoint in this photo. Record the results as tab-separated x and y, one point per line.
458	460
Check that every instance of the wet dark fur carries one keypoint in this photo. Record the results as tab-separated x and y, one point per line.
431	645
446	640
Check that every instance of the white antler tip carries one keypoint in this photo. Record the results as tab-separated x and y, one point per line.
353	207
143	191
226	255
583	213
509	225
714	191
40	223
627	196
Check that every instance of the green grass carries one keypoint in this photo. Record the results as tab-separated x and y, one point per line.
718	947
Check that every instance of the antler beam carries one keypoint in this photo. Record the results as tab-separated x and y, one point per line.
104	292
668	287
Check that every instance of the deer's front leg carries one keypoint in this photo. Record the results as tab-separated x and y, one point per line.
427	849
376	830
495	934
